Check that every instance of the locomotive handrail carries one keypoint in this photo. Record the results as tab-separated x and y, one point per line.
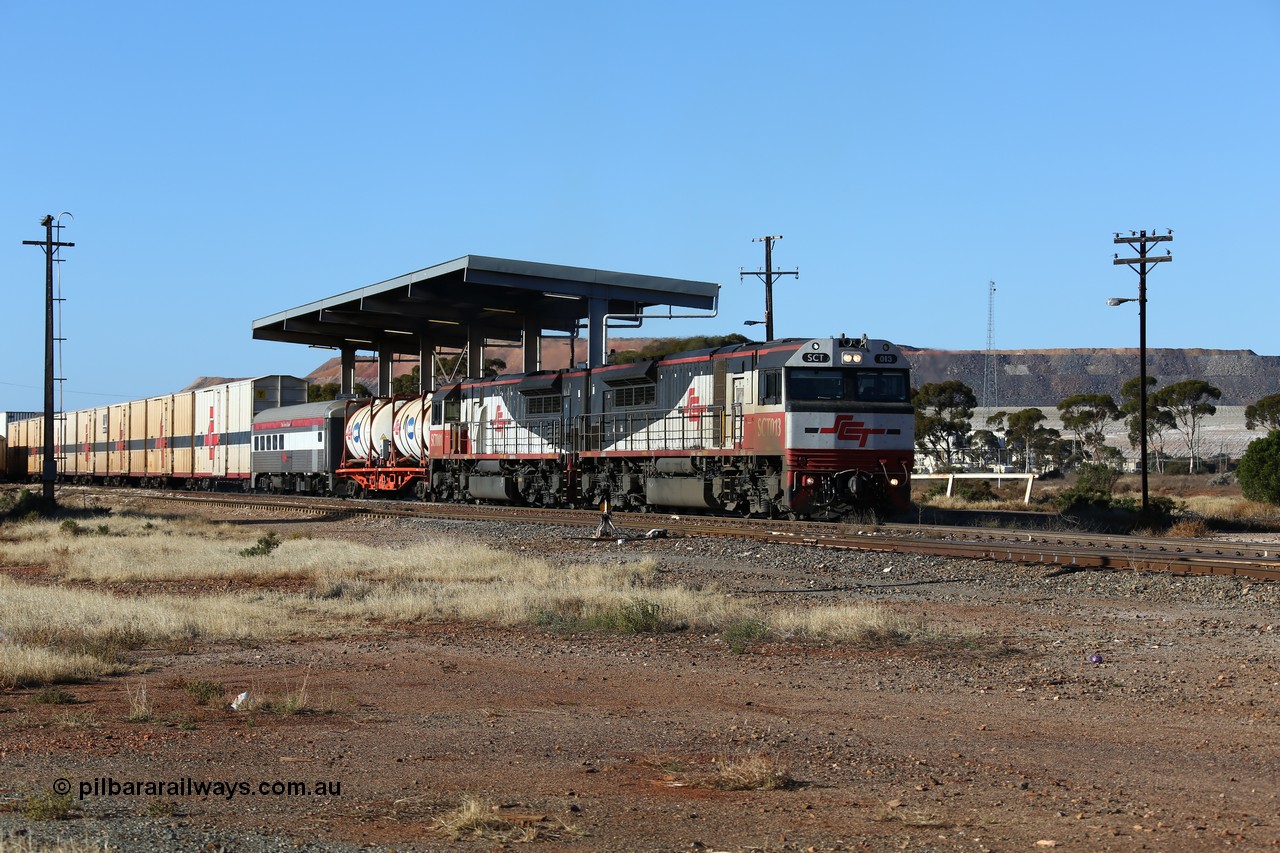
648	430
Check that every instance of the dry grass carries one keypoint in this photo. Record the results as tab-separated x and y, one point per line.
24	844
1190	528
60	633
480	818
861	624
22	664
139	702
753	772
1232	509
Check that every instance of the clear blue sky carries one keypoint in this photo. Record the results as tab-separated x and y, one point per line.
227	161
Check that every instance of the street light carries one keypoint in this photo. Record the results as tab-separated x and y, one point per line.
1140	265
753	322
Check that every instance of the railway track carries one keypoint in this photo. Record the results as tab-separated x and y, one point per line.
1072	551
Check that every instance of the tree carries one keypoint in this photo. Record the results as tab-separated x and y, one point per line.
984	447
943	410
1259	469
1087	415
1188	402
449	367
1024	432
1264	413
330	391
667	346
1159	420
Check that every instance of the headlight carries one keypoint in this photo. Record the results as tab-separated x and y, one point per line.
851	357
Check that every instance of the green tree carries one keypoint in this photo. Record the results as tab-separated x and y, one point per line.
1087	415
1159	421
330	390
447	367
407	383
1264	413
1188	402
943	412
984	448
667	346
1026	434
1259	469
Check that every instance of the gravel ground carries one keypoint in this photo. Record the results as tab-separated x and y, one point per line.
1093	711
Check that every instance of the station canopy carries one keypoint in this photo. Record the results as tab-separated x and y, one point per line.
477	300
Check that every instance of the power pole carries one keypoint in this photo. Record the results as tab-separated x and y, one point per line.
1140	265
51	248
768	276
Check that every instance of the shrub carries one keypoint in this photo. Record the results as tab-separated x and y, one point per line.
266	544
975	490
1259	469
1093	487
28	505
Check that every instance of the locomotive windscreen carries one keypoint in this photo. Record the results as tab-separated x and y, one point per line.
866	386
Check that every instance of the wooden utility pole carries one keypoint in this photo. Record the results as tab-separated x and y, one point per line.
51	247
768	276
1140	265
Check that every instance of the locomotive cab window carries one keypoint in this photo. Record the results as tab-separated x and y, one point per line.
867	386
888	386
770	387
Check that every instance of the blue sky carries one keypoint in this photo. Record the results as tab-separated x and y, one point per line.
227	161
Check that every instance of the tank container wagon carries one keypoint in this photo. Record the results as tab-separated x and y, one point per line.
813	427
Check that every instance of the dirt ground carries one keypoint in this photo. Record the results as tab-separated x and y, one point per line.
1014	739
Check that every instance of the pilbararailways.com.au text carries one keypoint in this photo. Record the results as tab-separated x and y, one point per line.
108	786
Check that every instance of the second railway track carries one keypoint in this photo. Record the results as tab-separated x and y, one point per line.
1074	551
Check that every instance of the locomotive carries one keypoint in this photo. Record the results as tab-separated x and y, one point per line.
802	427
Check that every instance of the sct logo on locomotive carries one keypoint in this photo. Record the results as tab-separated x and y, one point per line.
848	428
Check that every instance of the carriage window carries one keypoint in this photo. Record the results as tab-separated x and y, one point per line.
319	437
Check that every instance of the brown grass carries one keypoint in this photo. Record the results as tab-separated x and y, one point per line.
753	772
56	633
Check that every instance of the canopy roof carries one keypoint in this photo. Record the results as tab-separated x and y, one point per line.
477	297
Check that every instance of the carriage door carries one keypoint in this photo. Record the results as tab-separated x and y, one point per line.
736	415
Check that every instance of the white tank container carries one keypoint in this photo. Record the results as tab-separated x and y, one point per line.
367	428
410	425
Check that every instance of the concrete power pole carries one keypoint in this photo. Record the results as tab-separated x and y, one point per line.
51	247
